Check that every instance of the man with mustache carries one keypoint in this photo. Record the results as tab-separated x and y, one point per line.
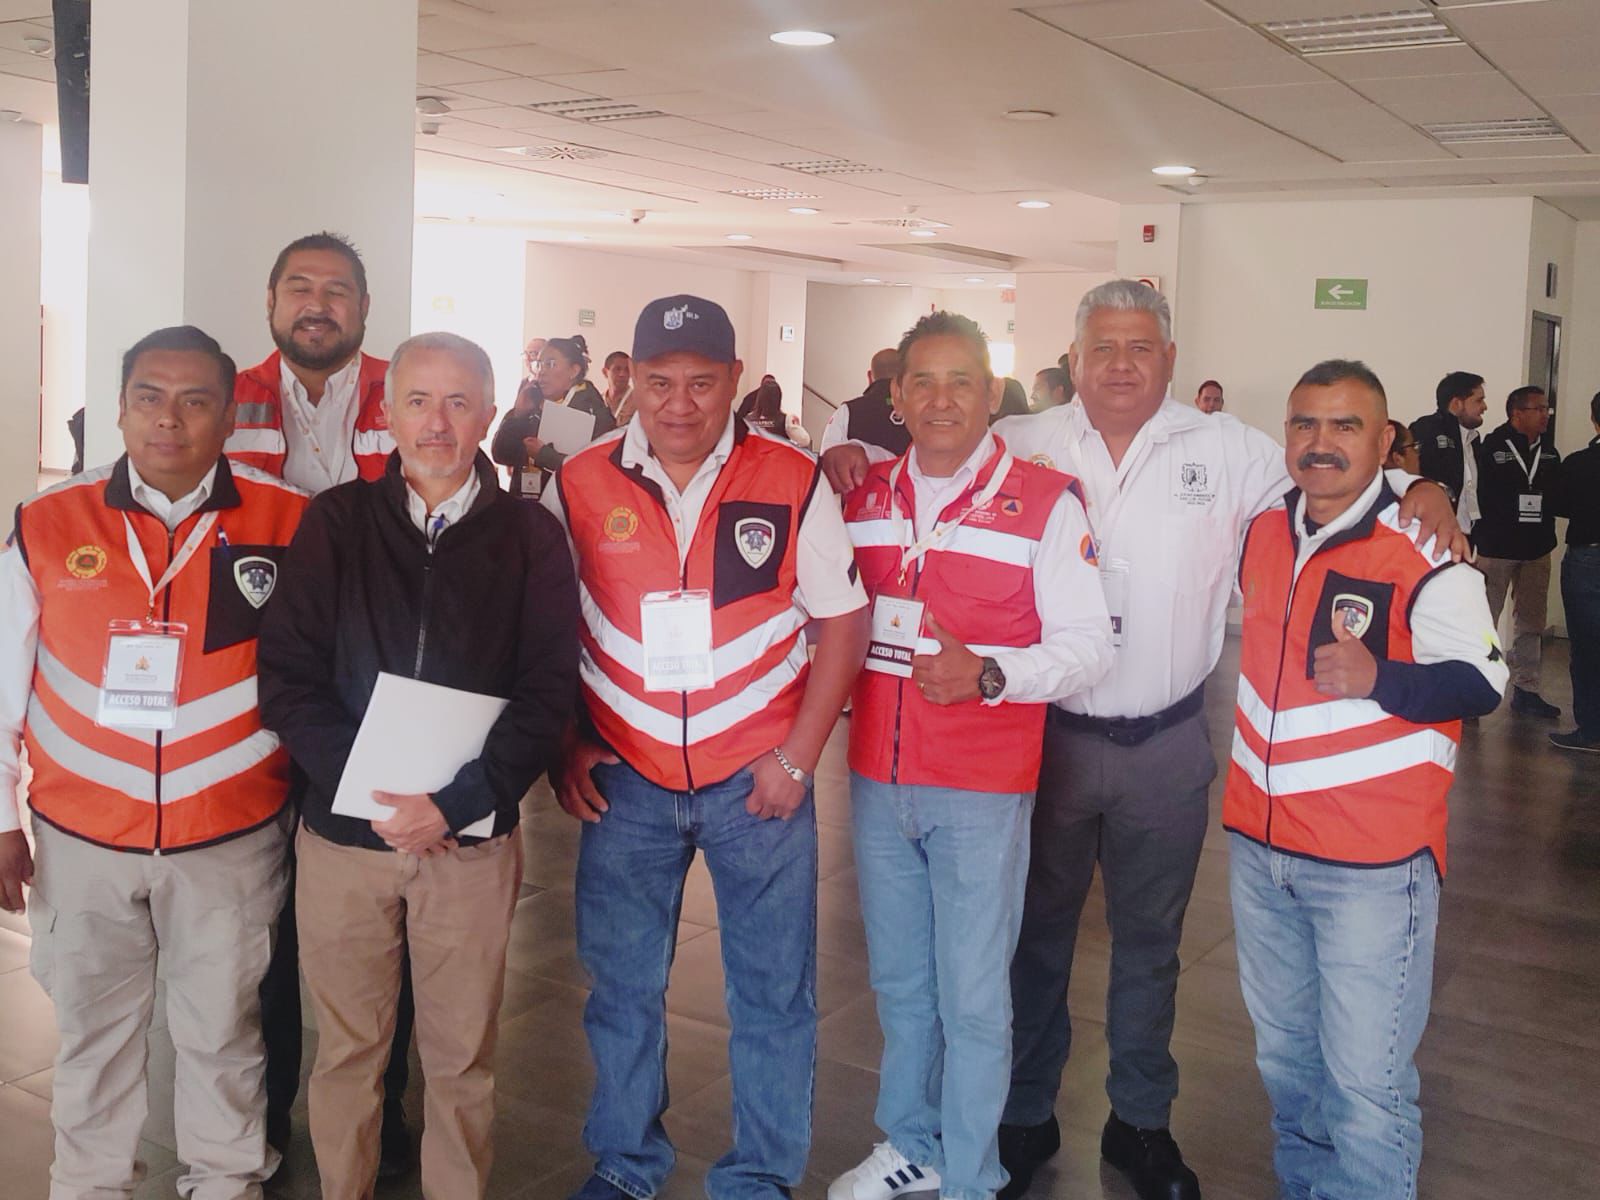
312	414
1362	650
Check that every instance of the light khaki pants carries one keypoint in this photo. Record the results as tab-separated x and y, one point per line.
101	920
1528	581
357	910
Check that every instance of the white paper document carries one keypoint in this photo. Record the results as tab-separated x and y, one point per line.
567	429
414	738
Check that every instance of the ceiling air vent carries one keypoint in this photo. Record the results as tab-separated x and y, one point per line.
828	166
1363	31
1510	129
562	152
595	109
906	222
772	193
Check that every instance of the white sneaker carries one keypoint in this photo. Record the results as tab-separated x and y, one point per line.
885	1174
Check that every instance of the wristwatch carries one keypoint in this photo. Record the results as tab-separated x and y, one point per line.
992	680
794	772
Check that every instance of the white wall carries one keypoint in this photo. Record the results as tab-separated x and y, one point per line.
845	327
1580	353
470	281
21	165
63	291
1448	291
1046	307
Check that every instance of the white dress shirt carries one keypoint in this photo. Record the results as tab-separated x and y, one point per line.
1449	618
1074	647
1467	510
435	521
19	631
825	583
320	437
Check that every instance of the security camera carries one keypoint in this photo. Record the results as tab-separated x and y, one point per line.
636	215
430	128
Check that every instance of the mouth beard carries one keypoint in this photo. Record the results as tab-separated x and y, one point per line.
330	355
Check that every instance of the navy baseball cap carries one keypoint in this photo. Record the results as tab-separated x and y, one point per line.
687	323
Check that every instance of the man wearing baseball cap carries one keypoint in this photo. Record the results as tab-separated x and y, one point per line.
703	549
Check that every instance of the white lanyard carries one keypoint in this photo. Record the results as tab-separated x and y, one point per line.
179	561
1530	472
912	554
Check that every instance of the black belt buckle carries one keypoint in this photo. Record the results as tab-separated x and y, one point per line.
1132	731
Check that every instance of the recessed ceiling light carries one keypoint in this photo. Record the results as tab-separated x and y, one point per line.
802	37
802	211
974	279
1029	114
923	233
871	279
1172	169
37	45
740	237
1033	204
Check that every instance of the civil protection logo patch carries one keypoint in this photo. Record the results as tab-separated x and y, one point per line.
755	537
621	523
86	561
1353	612
256	577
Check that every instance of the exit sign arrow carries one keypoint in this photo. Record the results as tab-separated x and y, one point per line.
1341	293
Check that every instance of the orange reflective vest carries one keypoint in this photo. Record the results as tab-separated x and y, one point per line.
1338	780
743	552
217	773
257	439
978	583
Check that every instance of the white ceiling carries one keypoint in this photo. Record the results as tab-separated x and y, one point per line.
914	91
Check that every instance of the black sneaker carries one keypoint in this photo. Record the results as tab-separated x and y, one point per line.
1023	1148
395	1155
1575	741
1150	1159
1531	704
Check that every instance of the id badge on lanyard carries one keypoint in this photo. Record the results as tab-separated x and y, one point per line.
1530	505
1114	583
896	625
144	657
676	631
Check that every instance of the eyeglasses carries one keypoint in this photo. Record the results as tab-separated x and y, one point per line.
1533	408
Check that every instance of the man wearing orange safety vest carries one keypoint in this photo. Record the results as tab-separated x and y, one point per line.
986	606
1362	651
704	548
312	413
132	595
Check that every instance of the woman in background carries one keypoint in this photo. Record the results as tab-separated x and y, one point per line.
561	377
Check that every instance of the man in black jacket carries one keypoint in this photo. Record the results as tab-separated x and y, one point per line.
1445	441
1517	469
865	430
1576	496
434	573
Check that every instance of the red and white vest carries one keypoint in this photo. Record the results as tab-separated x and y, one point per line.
217	773
978	583
258	441
627	546
1337	780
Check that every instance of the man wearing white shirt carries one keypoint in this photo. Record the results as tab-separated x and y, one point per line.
1127	762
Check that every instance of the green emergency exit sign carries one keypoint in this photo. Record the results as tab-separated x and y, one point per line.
1341	293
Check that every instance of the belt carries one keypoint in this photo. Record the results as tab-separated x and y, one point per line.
1131	731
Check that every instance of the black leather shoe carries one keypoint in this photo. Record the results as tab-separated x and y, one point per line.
1023	1148
1531	704
395	1156
1150	1159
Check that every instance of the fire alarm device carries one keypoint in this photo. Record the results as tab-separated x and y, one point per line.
1149	233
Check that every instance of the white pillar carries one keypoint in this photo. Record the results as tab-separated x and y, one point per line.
775	343
21	166
219	131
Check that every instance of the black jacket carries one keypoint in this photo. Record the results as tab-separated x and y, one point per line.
1504	530
1575	494
1439	437
493	608
870	418
507	447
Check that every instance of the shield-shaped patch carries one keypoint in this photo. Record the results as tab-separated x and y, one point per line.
256	577
755	538
1353	612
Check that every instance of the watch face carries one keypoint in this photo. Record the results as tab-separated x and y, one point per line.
992	682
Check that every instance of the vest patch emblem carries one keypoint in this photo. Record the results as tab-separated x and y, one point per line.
256	577
1043	460
1445	442
1090	552
86	561
1011	506
755	537
621	523
1193	476
1353	612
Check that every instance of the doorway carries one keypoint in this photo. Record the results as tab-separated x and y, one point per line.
1544	359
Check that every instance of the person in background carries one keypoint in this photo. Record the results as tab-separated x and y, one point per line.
1576	496
869	421
530	364
1209	398
1402	454
562	378
1447	438
619	386
1362	650
1515	536
763	407
1052	387
1013	401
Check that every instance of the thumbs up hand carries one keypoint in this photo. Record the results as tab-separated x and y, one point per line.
1344	667
950	676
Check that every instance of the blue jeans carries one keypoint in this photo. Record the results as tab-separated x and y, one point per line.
631	869
1580	594
942	875
1336	965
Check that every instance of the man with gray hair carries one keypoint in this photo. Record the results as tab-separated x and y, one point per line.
430	572
1128	763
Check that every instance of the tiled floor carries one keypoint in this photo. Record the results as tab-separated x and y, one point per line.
1511	1062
